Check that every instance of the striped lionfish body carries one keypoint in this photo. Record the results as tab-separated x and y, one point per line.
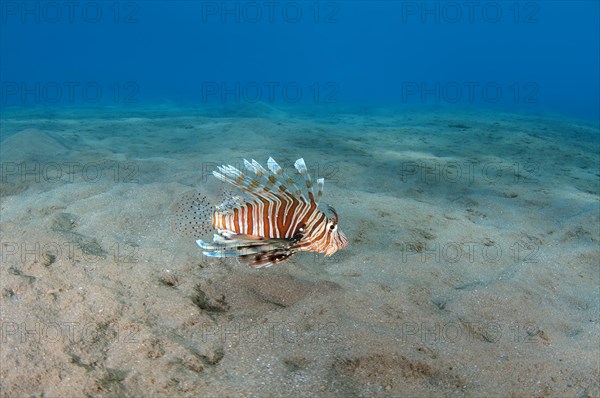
272	223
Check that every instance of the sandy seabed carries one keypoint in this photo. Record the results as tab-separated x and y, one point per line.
473	266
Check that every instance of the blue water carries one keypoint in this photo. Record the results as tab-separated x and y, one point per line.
525	56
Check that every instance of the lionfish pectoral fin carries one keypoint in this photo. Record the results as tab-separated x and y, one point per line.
218	249
253	250
266	259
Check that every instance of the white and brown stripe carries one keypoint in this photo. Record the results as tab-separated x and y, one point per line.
274	212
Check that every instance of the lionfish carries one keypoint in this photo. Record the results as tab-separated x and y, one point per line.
271	223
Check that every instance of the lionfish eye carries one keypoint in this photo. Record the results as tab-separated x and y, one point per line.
335	216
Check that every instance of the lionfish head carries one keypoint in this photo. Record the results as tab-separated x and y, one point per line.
337	239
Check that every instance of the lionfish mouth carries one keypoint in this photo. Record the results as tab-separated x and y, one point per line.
341	242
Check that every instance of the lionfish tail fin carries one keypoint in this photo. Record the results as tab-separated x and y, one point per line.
301	167
253	250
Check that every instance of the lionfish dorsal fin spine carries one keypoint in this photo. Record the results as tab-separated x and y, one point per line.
320	185
270	184
301	167
255	167
274	166
268	180
287	181
233	176
277	173
261	173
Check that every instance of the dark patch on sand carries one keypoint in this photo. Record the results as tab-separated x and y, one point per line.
392	372
209	302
